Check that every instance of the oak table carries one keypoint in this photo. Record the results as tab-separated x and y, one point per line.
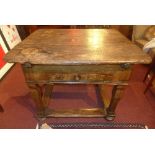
77	56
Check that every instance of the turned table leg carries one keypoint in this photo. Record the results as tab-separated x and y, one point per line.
104	95
41	94
116	96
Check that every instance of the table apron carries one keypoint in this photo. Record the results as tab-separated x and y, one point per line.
91	74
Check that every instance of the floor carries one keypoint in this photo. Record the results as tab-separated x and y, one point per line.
19	109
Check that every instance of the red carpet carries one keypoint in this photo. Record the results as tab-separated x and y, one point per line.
19	109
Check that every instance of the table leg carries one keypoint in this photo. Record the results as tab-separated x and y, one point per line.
116	96
104	95
41	94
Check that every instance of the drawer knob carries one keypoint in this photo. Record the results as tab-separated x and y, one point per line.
77	77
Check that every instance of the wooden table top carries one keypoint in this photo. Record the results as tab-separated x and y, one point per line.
77	46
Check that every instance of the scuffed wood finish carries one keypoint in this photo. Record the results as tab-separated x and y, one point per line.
77	56
77	46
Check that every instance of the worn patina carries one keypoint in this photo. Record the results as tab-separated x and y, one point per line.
77	56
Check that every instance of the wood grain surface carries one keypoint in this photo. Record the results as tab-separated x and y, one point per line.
114	74
77	46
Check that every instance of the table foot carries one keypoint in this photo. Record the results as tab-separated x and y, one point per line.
110	117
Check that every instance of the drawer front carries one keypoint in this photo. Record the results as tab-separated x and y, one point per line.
72	77
86	75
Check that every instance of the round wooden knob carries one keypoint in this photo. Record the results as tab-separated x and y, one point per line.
77	77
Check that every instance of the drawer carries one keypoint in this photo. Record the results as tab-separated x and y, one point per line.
73	77
77	77
86	74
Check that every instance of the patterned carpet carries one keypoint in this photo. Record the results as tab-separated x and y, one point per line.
106	125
